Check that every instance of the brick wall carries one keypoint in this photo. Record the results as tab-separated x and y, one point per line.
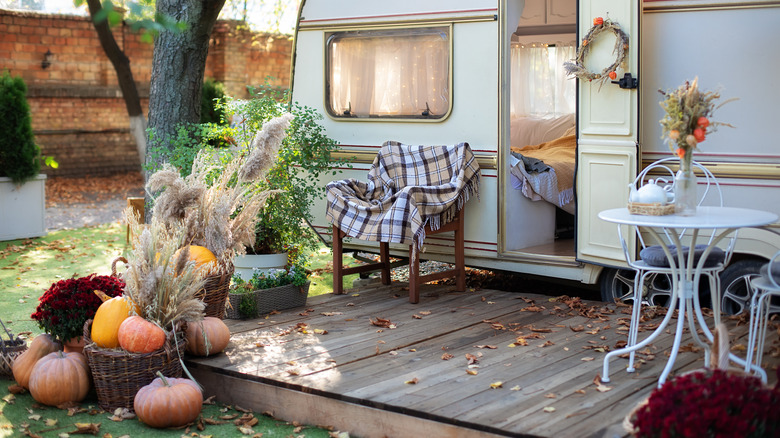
78	113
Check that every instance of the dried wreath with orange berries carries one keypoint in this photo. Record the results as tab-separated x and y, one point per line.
576	68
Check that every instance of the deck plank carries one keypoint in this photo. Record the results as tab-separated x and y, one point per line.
363	368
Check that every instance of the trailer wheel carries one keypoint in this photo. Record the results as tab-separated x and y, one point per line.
735	285
619	284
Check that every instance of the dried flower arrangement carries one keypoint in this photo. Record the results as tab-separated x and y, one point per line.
217	204
68	303
686	121
161	279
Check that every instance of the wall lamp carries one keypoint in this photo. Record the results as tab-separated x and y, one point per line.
47	59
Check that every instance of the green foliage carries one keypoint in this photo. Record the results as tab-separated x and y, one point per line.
210	111
141	17
19	155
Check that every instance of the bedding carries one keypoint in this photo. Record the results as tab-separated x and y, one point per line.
555	184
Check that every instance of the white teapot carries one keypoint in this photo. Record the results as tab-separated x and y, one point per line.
650	193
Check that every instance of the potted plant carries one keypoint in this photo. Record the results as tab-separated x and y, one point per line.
68	304
270	290
22	188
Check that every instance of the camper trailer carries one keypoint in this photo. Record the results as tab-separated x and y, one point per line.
490	73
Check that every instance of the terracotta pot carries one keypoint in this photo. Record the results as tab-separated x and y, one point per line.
74	345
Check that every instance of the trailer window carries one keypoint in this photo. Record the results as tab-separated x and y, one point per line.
398	73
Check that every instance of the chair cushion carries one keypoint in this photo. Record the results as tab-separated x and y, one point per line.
654	255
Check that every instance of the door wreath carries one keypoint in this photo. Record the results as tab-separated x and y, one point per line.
576	68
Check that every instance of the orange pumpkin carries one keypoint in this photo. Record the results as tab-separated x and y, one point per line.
168	402
206	337
60	378
138	335
201	255
23	365
108	318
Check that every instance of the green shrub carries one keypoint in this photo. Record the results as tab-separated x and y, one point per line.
210	111
19	155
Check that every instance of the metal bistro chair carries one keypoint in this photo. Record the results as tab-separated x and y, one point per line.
765	287
653	265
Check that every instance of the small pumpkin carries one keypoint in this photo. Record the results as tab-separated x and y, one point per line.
108	318
59	378
207	337
40	346
138	335
168	402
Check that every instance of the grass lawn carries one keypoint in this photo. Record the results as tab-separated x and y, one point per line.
28	267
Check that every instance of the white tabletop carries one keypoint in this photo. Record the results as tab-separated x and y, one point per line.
705	217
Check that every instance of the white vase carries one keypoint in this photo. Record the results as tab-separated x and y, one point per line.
246	265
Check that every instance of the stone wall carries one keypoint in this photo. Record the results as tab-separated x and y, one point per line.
78	114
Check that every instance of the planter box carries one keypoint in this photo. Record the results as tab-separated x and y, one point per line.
268	300
22	208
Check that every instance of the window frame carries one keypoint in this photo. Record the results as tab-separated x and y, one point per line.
328	37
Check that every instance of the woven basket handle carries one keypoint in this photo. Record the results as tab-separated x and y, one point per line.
113	266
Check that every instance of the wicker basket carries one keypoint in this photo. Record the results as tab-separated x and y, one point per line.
10	350
118	375
268	300
215	292
650	209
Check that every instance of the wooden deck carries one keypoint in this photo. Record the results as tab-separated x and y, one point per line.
329	365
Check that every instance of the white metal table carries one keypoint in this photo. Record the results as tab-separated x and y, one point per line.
685	276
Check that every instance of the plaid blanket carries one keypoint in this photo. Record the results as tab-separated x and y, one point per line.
408	187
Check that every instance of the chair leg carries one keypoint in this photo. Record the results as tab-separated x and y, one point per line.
636	313
460	257
414	272
338	249
384	258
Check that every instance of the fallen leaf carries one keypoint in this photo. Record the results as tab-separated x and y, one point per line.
471	358
549	409
425	312
380	322
489	347
516	388
34	417
472	372
416	316
412	382
446	356
550	395
331	313
587	359
86	428
496	385
600	387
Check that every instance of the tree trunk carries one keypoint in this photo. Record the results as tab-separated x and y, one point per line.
178	66
124	77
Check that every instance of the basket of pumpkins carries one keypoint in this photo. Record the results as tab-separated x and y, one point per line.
136	335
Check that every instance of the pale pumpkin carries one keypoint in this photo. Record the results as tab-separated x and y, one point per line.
23	365
138	335
59	378
207	337
168	402
108	318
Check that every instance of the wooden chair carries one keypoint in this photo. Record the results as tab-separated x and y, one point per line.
415	279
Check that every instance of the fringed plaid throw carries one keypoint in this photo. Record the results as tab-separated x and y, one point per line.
408	187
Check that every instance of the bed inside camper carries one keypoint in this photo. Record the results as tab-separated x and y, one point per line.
539	188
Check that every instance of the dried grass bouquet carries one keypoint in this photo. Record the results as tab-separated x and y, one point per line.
218	204
161	279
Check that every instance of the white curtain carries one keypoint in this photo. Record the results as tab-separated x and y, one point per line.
539	85
390	75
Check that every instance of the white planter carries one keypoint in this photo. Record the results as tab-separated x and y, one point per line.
246	265
22	208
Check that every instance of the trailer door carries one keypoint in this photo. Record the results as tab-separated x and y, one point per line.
607	147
